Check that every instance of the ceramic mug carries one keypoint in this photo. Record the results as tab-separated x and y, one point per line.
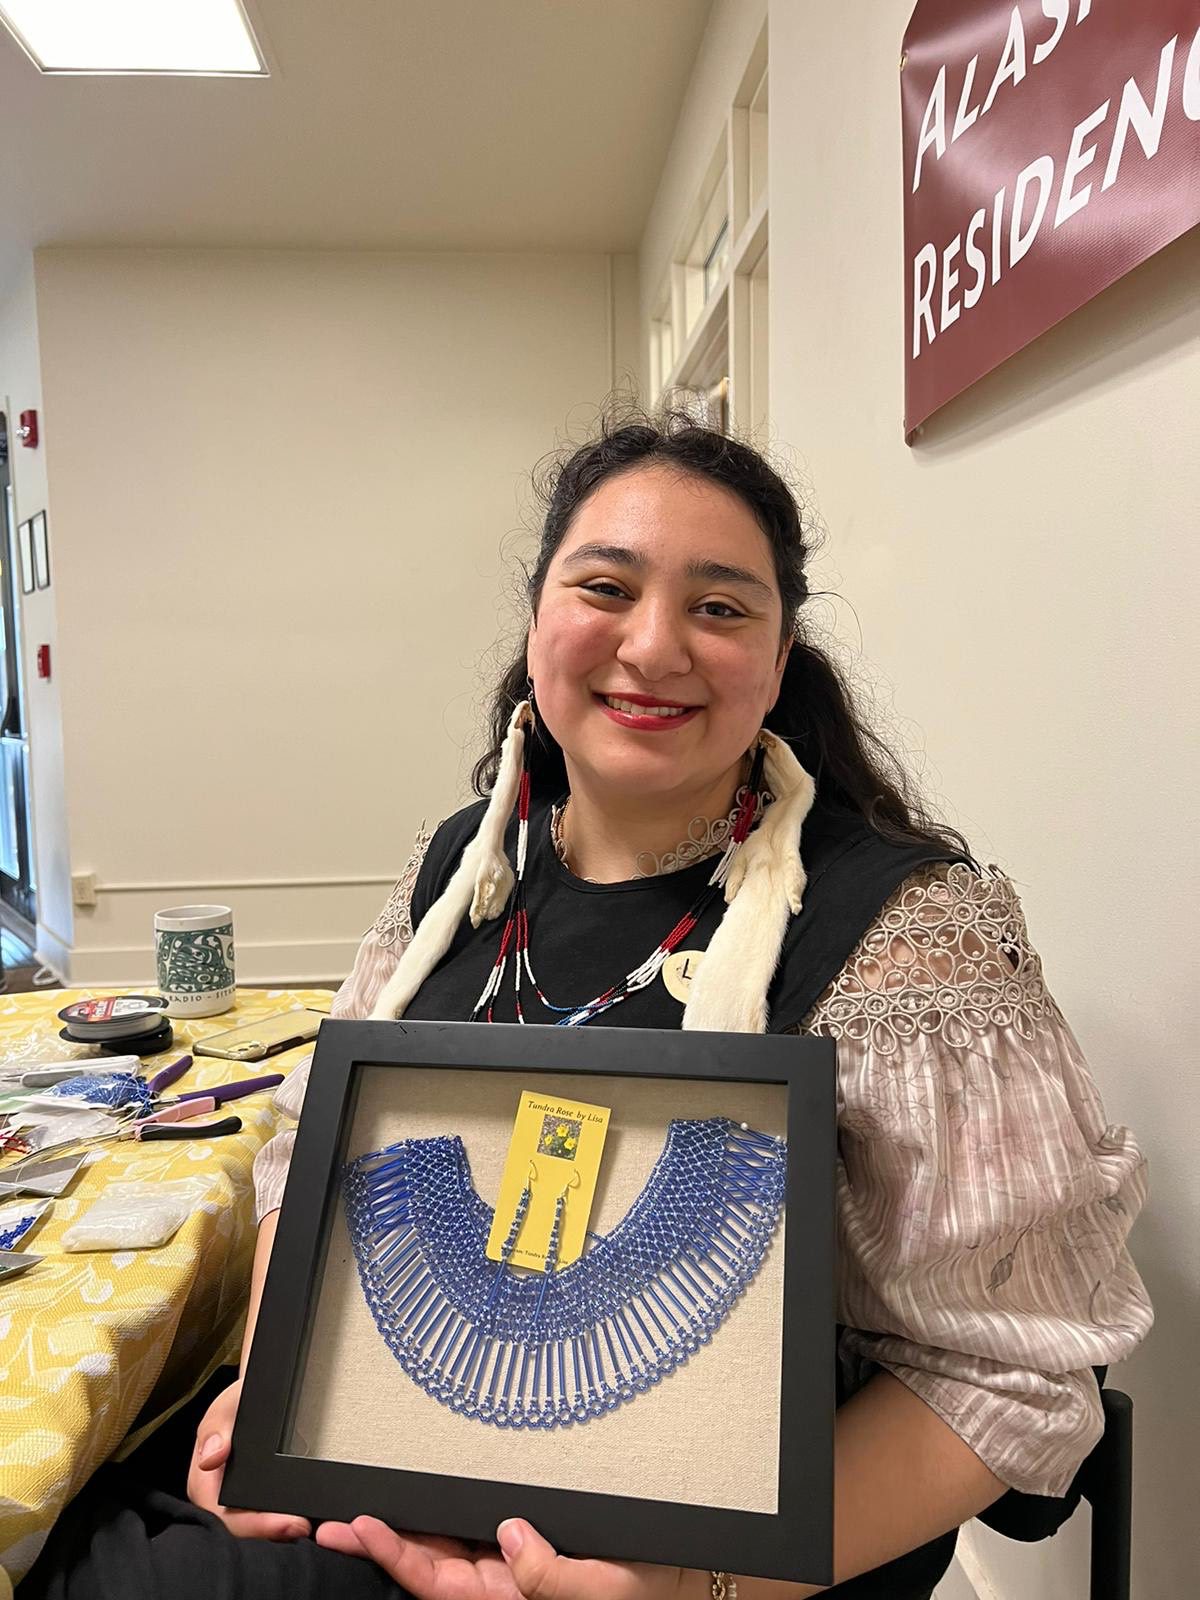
193	948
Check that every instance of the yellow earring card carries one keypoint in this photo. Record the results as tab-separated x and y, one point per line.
555	1149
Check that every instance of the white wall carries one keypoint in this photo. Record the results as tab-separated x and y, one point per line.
281	482
1021	583
21	390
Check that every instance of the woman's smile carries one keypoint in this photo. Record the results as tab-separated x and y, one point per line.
646	714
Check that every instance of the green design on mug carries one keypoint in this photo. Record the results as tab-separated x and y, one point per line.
196	962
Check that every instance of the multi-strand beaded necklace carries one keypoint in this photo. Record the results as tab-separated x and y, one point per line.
515	944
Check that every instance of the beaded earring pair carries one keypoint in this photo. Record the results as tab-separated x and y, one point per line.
510	1238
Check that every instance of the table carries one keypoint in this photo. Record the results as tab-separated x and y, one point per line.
93	1346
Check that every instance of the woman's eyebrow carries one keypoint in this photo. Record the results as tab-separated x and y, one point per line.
618	554
718	572
712	571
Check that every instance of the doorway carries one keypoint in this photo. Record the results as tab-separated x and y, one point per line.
18	897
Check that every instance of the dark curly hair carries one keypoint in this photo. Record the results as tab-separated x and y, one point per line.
850	764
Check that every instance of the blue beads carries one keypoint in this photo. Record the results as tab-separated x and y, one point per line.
111	1090
12	1236
553	1349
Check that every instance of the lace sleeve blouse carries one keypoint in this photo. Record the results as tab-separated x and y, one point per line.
983	1197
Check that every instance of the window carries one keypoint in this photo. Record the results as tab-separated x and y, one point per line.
709	334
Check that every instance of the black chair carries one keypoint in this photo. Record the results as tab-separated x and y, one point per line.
1105	1480
1107	1484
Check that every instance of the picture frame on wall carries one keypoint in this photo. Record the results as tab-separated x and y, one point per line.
25	555
41	551
399	1370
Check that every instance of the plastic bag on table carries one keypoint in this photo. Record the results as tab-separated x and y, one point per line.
45	1128
136	1216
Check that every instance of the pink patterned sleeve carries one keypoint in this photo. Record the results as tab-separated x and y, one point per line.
374	964
984	1199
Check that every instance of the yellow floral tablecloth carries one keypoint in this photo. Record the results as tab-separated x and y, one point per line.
92	1345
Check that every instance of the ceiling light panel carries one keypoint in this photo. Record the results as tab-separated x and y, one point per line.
117	36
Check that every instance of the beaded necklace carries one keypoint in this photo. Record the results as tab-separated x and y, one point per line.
544	1350
514	940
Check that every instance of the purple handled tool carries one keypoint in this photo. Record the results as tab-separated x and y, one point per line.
218	1096
225	1092
166	1076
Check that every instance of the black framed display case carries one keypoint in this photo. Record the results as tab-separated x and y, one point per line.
726	1463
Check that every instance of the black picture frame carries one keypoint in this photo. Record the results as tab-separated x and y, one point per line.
795	1542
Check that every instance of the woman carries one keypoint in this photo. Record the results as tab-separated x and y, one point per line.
983	1201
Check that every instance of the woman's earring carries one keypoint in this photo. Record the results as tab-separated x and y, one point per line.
762	745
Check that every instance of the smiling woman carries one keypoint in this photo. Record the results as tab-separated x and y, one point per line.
684	823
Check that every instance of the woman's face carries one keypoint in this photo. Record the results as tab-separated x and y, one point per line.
655	652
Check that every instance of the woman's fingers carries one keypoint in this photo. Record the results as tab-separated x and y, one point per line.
207	1477
343	1536
204	1490
412	1566
432	1568
214	1452
214	1436
339	1536
540	1573
274	1525
204	1485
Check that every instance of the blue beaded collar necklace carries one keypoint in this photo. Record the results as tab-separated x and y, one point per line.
533	1350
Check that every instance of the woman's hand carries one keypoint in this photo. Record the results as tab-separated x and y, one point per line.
524	1568
207	1473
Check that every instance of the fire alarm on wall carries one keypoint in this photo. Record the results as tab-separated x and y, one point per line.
43	661
28	431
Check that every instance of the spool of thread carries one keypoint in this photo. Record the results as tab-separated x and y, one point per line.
107	1018
143	1044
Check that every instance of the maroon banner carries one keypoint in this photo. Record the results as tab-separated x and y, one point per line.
1049	147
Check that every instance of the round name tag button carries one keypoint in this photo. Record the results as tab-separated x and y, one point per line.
678	970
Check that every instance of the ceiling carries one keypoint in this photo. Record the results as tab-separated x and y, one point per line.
386	124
